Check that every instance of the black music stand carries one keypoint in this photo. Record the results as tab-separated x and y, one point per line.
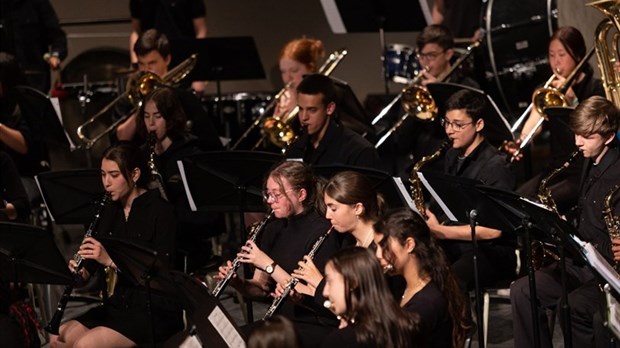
463	202
496	127
392	188
228	181
41	117
71	196
212	323
534	215
220	59
367	16
28	254
559	131
350	111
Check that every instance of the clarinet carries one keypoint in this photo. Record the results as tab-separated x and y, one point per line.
217	291
293	281
54	324
156	179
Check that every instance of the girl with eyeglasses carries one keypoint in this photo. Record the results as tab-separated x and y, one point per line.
291	193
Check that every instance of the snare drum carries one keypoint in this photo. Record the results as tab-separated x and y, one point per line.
401	63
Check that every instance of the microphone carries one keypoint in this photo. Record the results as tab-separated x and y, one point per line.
473	214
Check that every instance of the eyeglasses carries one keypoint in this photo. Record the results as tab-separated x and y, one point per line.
457	127
275	195
430	56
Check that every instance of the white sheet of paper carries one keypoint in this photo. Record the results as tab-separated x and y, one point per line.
225	328
440	201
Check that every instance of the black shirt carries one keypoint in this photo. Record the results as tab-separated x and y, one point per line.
432	309
339	145
286	241
28	28
485	164
171	17
597	181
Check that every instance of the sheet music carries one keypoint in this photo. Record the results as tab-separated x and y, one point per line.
440	201
538	204
613	312
599	263
56	105
47	207
225	328
188	193
405	194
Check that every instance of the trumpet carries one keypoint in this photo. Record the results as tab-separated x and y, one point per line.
417	101
277	129
138	86
548	96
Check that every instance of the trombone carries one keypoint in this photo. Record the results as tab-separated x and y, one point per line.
277	129
138	86
548	96
417	101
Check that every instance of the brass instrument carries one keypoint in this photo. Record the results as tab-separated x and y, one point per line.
417	194
261	117
157	181
544	193
414	81
605	54
612	222
277	129
254	232
293	281
540	250
417	101
138	86
54	324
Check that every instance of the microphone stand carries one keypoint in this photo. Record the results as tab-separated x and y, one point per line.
473	214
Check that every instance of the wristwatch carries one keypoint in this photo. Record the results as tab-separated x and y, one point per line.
270	268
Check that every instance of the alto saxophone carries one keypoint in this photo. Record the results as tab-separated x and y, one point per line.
612	222
539	249
157	180
417	194
290	285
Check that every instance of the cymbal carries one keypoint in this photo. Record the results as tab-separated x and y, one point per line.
126	71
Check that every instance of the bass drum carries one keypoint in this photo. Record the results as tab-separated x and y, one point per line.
515	61
239	110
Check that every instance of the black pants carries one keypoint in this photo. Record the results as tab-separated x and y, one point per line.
583	297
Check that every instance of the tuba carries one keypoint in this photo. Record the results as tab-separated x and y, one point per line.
138	86
277	129
606	55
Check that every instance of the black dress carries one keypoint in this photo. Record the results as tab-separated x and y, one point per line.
286	241
150	223
435	322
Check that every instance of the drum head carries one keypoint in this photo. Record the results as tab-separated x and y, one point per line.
516	43
401	63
